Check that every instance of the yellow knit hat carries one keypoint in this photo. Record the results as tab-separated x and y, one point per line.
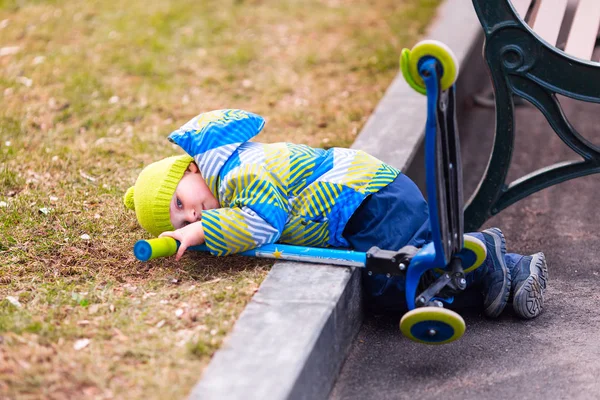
152	193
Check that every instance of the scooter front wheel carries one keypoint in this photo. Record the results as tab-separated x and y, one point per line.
432	325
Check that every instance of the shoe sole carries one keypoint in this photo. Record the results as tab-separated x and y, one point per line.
499	303
528	301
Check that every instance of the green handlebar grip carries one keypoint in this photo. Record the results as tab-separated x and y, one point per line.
145	250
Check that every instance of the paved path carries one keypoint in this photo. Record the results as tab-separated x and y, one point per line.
557	355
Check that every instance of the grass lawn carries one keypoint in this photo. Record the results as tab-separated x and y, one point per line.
89	90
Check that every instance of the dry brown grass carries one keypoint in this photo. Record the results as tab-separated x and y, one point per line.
88	92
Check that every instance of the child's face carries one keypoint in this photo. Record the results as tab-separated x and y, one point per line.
191	197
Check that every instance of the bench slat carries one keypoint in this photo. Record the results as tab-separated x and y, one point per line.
522	6
584	30
548	19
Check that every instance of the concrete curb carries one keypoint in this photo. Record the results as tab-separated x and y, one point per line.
293	336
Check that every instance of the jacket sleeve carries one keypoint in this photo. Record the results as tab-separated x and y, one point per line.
256	215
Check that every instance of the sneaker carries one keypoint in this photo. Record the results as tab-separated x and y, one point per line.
496	281
529	279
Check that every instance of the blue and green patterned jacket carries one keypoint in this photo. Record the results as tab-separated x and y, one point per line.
277	192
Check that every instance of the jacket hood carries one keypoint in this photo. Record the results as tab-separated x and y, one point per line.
212	138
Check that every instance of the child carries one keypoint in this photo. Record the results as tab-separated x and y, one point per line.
234	195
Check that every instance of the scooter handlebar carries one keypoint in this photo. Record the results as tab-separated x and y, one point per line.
146	250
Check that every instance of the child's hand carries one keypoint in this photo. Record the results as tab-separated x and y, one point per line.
189	235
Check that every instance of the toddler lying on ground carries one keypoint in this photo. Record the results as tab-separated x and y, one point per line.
235	195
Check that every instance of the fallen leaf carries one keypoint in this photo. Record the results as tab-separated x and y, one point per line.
81	344
14	301
93	309
24	80
210	282
9	50
86	176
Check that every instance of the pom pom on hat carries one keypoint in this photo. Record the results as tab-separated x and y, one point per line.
152	193
128	199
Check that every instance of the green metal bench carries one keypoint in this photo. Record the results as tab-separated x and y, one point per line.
525	59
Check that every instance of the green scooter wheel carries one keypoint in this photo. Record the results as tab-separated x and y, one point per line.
432	325
409	64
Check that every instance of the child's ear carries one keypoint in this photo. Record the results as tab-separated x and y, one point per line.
193	168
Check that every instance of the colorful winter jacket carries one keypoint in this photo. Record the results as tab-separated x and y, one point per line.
277	192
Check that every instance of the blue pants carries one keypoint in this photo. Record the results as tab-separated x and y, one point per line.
390	219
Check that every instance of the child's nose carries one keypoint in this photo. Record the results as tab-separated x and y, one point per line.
193	216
